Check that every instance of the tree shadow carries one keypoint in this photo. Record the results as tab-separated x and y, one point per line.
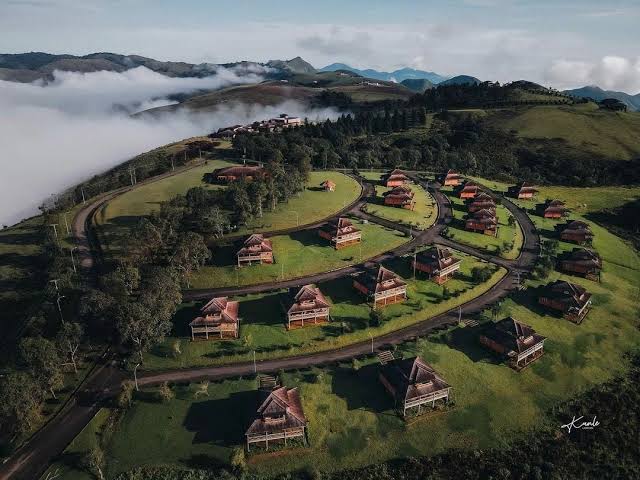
223	421
225	255
268	310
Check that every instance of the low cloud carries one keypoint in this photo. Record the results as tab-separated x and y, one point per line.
610	73
55	136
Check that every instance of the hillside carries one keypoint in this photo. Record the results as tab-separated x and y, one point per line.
596	93
397	75
295	65
584	127
417	84
461	80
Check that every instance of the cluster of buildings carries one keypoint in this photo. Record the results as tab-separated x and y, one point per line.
277	124
481	208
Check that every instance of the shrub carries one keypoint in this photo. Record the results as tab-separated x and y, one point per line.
125	397
165	393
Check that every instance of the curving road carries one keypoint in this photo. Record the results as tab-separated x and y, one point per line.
30	461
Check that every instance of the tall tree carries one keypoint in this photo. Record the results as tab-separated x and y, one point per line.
69	340
40	359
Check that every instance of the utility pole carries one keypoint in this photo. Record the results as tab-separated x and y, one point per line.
255	366
84	201
132	175
55	283
415	255
66	224
135	376
371	337
73	262
173	167
459	313
55	228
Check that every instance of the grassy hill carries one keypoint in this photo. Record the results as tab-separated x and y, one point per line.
585	127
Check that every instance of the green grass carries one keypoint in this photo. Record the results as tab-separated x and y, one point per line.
351	421
610	134
297	254
311	205
20	273
422	216
511	235
263	320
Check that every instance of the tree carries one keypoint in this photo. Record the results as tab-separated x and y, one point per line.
125	397
124	280
211	219
190	253
258	192
21	405
69	340
97	308
148	237
238	460
239	198
165	393
94	462
481	274
40	358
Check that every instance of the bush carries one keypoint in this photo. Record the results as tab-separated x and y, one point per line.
481	274
125	397
238	460
165	393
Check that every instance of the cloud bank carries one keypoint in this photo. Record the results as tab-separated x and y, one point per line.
610	73
57	135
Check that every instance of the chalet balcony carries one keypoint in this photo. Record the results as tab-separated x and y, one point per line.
282	435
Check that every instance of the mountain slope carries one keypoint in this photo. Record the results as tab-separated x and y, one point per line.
417	84
396	75
461	80
295	65
597	93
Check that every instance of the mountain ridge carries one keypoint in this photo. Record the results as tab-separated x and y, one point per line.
596	93
399	75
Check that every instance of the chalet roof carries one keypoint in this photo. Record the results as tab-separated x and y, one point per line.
571	295
522	187
451	174
514	336
255	243
439	257
554	203
485	216
238	171
339	226
217	310
281	403
582	256
395	174
402	193
307	298
412	377
381	280
577	225
482	197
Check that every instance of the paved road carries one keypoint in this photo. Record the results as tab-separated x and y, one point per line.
32	459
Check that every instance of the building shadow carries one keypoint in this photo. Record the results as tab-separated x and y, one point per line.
309	238
223	421
361	388
467	341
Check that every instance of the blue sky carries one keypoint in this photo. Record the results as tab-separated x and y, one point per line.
563	44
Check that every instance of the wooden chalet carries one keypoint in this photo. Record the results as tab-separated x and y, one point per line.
256	249
328	186
583	262
450	179
468	190
573	301
438	263
482	201
483	221
413	384
279	417
552	209
522	191
381	287
395	178
340	232
307	307
219	318
231	174
401	196
518	343
576	231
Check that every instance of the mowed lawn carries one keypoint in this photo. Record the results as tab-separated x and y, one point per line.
311	205
297	254
509	238
263	330
351	422
422	216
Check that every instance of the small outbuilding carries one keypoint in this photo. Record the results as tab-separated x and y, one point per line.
256	249
482	221
395	178
576	231
554	209
522	191
437	262
382	287
219	319
308	306
401	196
340	232
582	262
571	300
450	179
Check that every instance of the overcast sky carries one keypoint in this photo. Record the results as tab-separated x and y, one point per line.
559	43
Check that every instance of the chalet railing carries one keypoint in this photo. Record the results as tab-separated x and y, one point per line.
448	270
309	314
346	238
530	351
391	293
429	397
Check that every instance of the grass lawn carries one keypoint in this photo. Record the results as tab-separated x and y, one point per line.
262	325
350	418
422	216
296	255
309	206
507	235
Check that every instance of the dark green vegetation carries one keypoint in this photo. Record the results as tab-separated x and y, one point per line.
596	93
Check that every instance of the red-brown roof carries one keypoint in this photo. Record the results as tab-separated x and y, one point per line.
254	244
217	310
412	378
309	297
281	402
339	226
516	337
437	256
381	280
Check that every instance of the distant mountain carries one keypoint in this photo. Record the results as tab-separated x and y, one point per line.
596	93
295	65
462	80
396	75
418	85
27	67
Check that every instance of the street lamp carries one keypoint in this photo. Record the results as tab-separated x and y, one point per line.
371	337
297	218
60	297
135	376
73	262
